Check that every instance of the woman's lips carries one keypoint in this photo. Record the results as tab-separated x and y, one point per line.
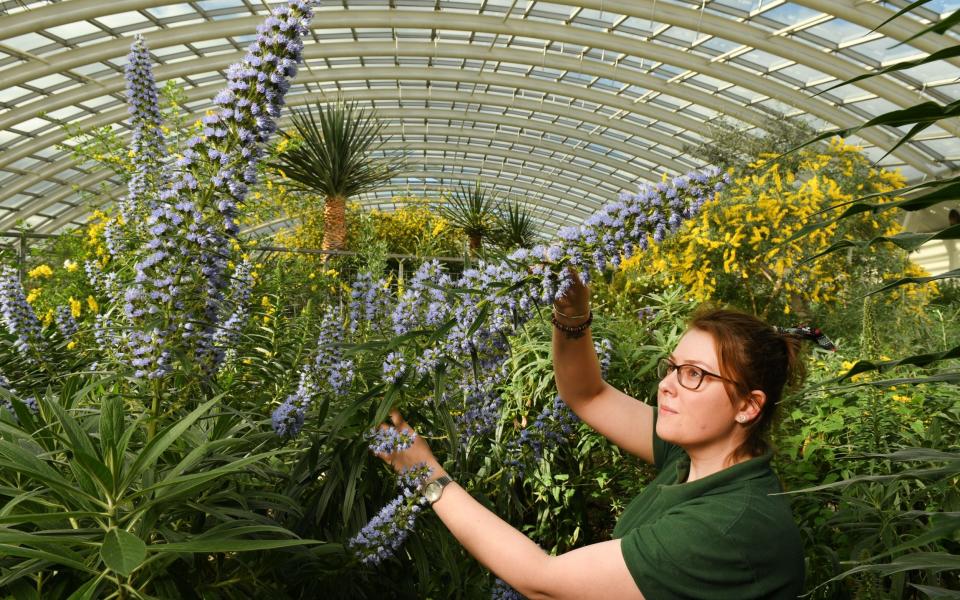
665	410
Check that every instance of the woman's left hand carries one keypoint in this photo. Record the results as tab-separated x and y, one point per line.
418	453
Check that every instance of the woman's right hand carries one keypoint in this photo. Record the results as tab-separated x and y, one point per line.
575	304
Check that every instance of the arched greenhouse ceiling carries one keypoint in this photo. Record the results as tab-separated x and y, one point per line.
560	105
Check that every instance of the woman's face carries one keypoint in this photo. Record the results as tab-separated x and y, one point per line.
700	419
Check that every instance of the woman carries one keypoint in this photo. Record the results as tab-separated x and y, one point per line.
707	526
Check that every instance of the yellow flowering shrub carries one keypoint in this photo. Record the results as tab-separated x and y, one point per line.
42	271
738	249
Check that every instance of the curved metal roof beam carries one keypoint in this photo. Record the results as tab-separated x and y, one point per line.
586	194
681	16
426	74
532	166
406	49
28	181
573	206
684	17
93	179
868	15
910	156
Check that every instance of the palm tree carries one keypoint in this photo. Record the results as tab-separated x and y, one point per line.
515	227
471	209
330	156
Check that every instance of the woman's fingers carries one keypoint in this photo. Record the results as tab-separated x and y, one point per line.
397	419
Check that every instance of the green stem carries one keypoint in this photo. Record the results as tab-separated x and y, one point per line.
154	411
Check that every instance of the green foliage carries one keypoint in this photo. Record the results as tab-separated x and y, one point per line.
329	153
473	210
515	227
91	501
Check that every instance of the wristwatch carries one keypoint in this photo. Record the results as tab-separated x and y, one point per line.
433	490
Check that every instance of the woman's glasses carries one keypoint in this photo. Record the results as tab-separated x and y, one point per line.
688	376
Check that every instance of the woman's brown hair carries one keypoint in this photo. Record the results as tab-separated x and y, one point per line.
755	356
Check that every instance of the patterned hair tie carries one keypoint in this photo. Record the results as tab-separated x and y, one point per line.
807	332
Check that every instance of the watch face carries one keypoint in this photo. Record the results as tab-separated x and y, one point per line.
432	491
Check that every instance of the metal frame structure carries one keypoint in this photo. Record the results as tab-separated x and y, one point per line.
560	104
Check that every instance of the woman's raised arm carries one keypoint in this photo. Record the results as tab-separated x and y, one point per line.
622	419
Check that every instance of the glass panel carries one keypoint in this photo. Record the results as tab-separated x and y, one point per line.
790	14
838	31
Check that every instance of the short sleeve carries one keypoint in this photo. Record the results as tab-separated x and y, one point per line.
681	556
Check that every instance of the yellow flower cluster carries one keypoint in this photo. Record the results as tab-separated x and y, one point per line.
741	242
40	271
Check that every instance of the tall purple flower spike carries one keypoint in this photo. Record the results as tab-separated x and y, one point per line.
17	315
147	141
183	266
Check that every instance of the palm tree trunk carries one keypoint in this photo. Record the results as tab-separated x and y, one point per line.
335	223
474	244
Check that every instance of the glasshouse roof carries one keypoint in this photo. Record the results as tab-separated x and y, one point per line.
562	105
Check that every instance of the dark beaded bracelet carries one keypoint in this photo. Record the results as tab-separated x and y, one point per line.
576	332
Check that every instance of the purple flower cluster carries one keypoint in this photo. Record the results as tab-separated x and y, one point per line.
147	142
329	371
502	591
18	315
387	440
369	301
394	368
30	402
423	303
387	531
233	136
182	301
66	324
241	287
288	418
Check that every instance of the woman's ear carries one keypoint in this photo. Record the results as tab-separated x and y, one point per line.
751	406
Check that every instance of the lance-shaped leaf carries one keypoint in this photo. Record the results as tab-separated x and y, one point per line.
945	54
122	551
949	191
901	12
905	241
915	280
925	114
919	360
937	593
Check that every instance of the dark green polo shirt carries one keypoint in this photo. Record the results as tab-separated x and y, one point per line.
723	537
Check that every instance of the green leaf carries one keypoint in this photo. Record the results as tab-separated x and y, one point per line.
944	54
122	551
901	12
230	545
923	113
919	561
906	241
937	593
919	360
156	447
915	280
940	27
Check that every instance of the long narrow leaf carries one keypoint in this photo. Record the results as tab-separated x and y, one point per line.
915	281
940	27
944	54
918	360
158	445
905	241
901	12
210	546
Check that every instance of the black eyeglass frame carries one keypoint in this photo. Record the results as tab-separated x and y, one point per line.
665	366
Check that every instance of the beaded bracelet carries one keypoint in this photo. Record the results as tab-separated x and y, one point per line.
573	332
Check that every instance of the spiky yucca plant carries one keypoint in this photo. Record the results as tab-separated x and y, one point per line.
515	227
330	155
472	209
